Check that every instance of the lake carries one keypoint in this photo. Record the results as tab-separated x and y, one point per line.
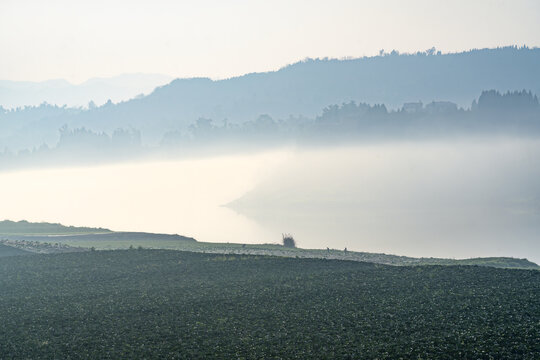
454	198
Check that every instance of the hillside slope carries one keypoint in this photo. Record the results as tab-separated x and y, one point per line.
23	227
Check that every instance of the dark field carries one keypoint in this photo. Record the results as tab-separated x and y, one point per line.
171	304
11	251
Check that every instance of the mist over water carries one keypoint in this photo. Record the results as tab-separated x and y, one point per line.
461	198
455	198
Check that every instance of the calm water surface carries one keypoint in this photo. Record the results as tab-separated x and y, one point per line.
447	199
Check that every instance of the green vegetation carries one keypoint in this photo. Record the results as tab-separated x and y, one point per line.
171	304
23	227
102	243
498	261
149	242
42	242
6	250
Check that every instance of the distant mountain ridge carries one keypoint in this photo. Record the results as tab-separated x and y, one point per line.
61	92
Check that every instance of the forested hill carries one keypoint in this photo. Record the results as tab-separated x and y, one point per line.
306	87
392	79
303	89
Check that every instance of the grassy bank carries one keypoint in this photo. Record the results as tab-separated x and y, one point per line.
114	241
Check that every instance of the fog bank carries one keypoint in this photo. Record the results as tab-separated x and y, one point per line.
443	199
451	198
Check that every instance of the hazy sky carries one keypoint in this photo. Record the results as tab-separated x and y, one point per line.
76	40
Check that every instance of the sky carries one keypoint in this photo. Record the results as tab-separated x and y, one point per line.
78	40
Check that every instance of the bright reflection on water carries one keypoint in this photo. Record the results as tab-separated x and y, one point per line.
183	197
446	199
